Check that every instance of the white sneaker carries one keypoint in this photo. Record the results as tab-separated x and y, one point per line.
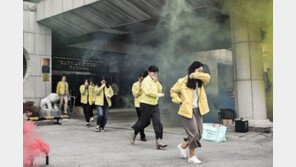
98	129
194	160
92	119
183	152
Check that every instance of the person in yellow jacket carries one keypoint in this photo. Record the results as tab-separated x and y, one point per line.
103	95
63	92
91	91
138	93
190	93
152	90
85	100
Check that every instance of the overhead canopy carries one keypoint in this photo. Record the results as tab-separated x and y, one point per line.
114	16
117	19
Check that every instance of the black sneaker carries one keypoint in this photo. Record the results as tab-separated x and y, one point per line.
143	139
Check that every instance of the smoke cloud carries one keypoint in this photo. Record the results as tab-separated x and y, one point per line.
183	35
258	13
173	46
33	146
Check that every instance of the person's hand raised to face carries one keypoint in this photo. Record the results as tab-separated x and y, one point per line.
156	78
200	69
86	84
103	82
162	94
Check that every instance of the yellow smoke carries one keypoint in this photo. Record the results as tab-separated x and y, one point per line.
260	13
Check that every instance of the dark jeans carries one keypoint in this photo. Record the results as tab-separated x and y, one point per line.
102	115
87	111
142	133
149	112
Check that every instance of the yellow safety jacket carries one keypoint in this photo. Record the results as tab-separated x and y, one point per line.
99	96
151	91
61	88
137	95
180	92
84	93
91	94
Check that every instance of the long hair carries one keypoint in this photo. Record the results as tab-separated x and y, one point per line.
191	83
144	74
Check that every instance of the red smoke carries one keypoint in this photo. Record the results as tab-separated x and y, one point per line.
33	146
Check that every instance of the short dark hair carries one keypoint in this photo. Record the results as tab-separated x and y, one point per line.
153	68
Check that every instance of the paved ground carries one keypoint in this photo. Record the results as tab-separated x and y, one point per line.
73	144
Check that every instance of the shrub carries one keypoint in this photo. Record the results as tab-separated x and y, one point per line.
30	106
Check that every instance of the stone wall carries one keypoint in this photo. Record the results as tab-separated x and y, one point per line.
212	59
37	45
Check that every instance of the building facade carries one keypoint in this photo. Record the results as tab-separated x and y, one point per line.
92	38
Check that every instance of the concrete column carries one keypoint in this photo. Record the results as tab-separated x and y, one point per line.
37	45
248	69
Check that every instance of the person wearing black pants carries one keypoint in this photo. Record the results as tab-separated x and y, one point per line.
142	133
86	111
85	101
138	94
91	101
149	112
149	107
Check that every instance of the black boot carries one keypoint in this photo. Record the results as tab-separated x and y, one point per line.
143	139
